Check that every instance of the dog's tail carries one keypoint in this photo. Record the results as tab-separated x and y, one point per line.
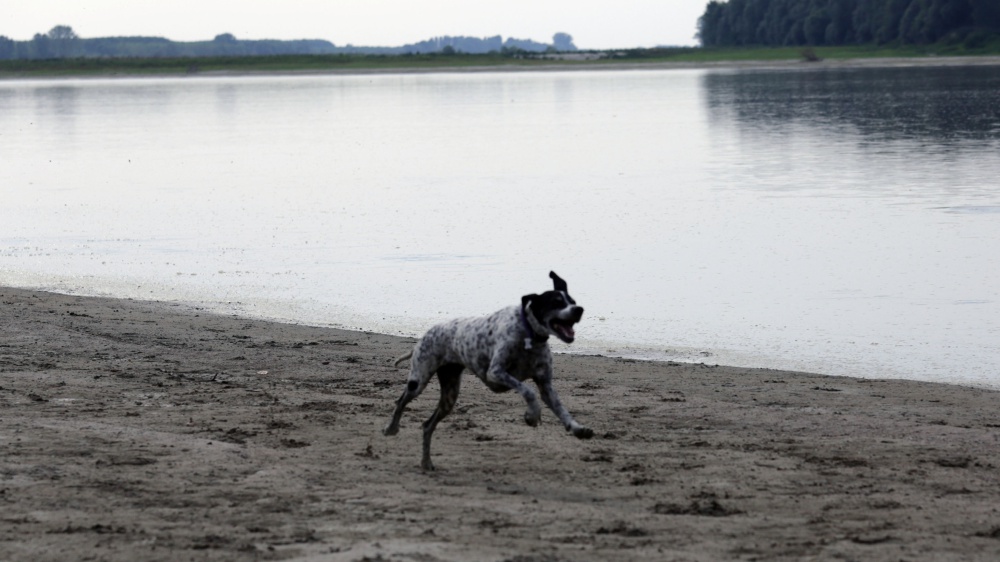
408	355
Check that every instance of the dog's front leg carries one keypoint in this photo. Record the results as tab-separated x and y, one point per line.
499	376
551	399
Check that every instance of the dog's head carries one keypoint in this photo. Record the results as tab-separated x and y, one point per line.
554	311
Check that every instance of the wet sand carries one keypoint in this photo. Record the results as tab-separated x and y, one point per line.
145	431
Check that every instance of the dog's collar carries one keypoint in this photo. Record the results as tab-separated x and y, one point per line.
532	336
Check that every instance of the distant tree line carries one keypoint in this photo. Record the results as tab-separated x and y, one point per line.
848	22
495	44
62	42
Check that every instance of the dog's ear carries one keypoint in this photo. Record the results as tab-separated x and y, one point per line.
558	282
527	299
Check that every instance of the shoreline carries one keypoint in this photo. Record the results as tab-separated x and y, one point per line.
618	350
783	64
795	64
132	429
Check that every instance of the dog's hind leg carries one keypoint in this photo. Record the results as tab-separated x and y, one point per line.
450	377
420	374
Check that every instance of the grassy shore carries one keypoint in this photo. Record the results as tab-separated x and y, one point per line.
682	56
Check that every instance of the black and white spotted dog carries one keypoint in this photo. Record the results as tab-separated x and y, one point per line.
504	350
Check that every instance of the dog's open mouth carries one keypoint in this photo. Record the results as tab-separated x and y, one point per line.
564	329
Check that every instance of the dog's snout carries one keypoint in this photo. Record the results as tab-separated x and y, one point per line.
577	312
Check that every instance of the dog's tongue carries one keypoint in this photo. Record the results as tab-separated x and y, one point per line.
566	330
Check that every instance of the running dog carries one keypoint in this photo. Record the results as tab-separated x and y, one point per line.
504	350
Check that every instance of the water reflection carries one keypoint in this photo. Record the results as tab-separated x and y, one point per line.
928	137
61	101
225	99
57	107
941	105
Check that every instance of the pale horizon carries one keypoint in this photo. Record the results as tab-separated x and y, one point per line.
378	23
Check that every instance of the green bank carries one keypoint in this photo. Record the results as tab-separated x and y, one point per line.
96	67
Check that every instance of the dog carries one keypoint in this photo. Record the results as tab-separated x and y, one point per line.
503	350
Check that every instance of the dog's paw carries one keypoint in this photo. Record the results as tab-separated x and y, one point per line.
582	432
531	418
390	430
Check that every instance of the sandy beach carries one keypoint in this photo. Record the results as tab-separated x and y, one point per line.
150	431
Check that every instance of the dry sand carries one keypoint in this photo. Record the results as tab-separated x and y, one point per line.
141	431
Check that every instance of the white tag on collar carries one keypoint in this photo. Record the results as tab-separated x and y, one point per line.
527	343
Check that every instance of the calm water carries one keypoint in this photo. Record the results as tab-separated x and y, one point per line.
844	222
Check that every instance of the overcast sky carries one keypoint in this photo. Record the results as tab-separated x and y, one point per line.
594	24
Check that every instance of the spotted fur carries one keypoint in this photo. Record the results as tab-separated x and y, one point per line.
504	350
